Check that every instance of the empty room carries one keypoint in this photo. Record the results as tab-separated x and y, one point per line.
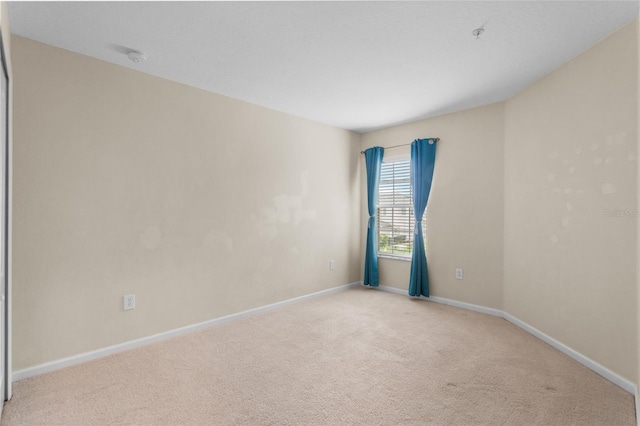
320	213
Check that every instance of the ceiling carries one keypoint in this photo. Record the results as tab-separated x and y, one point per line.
355	65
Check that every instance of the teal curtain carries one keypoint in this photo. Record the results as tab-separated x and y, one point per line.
373	159
423	158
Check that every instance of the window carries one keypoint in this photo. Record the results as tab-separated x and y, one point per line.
396	221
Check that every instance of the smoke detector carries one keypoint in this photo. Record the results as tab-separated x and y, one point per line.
136	56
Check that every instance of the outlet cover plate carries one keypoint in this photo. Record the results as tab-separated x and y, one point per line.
459	273
129	302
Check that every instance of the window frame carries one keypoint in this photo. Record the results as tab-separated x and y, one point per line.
391	207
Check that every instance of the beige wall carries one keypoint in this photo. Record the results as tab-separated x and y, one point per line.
638	224
525	184
465	210
570	156
5	29
199	204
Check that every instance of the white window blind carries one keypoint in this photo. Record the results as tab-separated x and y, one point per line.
395	210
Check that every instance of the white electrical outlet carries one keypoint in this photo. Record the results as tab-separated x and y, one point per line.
459	273
129	302
332	264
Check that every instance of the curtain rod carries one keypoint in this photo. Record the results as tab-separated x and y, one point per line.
404	144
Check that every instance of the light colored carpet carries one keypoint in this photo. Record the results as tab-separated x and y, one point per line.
356	357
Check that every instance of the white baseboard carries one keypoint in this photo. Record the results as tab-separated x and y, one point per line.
587	362
468	306
390	290
99	353
444	301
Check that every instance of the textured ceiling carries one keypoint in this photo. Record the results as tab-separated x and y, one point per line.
354	65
